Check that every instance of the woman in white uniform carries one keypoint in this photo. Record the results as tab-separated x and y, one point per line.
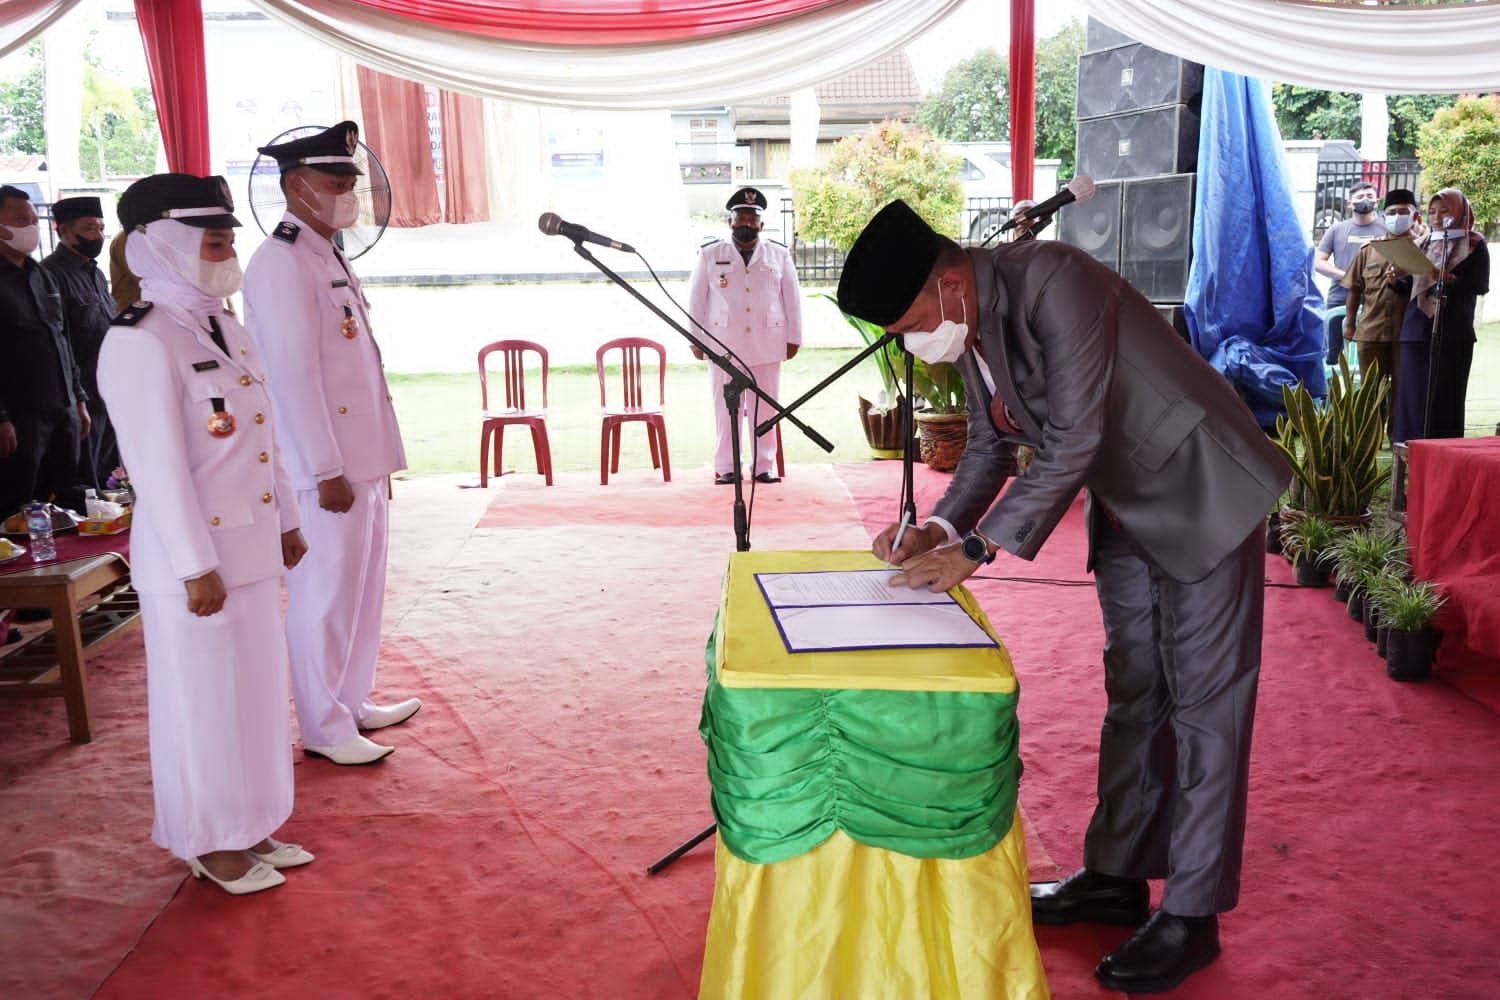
215	523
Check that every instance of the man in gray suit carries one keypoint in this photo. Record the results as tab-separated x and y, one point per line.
1064	356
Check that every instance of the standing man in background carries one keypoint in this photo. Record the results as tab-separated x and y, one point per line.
89	308
338	432
1336	252
43	408
744	292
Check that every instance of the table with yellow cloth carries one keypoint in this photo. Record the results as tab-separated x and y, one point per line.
869	842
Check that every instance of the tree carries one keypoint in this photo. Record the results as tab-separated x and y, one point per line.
973	102
1409	112
22	120
1460	147
1305	113
890	160
1057	96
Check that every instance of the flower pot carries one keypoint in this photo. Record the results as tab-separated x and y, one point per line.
1273	533
1409	653
941	438
1312	573
1357	606
1341	590
1382	639
883	429
1372	619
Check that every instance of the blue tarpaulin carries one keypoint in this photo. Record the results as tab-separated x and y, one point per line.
1252	308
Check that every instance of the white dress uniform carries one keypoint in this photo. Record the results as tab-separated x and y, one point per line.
310	320
754	309
221	766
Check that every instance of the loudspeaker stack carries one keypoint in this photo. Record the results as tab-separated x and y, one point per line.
1137	113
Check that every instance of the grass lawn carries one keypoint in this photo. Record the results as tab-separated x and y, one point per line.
440	415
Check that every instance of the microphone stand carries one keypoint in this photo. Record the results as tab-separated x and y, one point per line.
1435	341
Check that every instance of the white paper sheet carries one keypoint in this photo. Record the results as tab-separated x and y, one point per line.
829	611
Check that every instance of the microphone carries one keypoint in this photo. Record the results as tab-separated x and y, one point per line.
1080	188
552	224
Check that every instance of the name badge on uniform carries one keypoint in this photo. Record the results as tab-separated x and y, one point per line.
339	283
205	366
350	326
221	423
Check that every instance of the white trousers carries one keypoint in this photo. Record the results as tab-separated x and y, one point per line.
221	743
752	412
334	600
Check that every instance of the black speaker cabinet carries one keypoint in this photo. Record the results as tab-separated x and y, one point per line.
1176	315
1139	144
1156	243
1094	225
1098	35
1133	77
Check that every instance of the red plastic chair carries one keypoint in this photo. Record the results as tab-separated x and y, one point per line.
634	407
515	410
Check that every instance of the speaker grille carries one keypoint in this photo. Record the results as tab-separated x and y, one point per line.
1134	77
1157	242
1094	226
1139	144
1099	35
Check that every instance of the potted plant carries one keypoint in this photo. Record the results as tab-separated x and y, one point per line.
1333	448
884	420
1360	555
1309	541
1407	609
943	424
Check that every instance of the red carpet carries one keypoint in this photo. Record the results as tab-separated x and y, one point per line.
557	646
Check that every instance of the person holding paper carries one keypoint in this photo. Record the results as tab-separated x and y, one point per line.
1057	351
1378	292
1443	299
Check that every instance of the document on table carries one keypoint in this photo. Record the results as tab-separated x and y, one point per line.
856	609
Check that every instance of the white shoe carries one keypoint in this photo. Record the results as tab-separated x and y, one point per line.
260	876
389	715
354	750
284	855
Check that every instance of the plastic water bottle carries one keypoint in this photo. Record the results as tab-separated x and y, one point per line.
39	525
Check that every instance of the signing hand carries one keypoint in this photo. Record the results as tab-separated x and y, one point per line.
336	495
936	570
913	542
205	594
293	547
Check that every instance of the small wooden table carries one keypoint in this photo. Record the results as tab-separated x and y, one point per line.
91	601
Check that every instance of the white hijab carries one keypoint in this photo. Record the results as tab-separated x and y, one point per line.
164	255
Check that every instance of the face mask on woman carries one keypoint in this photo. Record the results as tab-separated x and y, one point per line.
219	278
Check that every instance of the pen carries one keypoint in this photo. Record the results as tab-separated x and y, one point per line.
900	530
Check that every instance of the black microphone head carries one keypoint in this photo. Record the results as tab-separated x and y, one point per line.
550	223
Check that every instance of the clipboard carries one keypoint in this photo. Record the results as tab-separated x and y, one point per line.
1404	253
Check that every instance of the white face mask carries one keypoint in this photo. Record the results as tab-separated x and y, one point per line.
342	214
218	278
1397	224
945	344
24	239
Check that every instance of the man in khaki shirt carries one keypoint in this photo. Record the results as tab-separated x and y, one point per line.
1378	293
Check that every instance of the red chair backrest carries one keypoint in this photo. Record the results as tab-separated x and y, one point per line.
514	352
630	364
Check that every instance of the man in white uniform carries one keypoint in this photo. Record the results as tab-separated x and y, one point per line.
337	428
744	292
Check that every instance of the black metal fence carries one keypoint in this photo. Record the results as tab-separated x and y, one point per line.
819	263
1338	178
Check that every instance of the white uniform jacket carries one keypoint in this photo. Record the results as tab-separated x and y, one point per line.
311	322
203	502
755	308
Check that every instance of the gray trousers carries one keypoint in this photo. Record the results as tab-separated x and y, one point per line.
1181	664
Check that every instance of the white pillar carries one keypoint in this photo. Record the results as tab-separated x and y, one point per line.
63	46
805	119
1374	126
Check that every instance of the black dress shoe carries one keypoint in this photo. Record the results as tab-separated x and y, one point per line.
725	479
1161	954
1090	896
766	477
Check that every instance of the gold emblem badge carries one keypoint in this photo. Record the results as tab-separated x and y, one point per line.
350	326
221	424
723	281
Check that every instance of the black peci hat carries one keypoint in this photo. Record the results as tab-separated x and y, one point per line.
747	199
83	207
204	202
331	150
888	265
1400	196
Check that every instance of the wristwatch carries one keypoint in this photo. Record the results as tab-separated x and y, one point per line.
977	550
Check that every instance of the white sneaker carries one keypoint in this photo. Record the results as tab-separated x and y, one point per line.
354	750
389	715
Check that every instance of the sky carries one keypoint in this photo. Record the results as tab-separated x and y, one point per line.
976	25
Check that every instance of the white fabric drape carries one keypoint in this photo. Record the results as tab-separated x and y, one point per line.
23	20
776	60
1393	50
